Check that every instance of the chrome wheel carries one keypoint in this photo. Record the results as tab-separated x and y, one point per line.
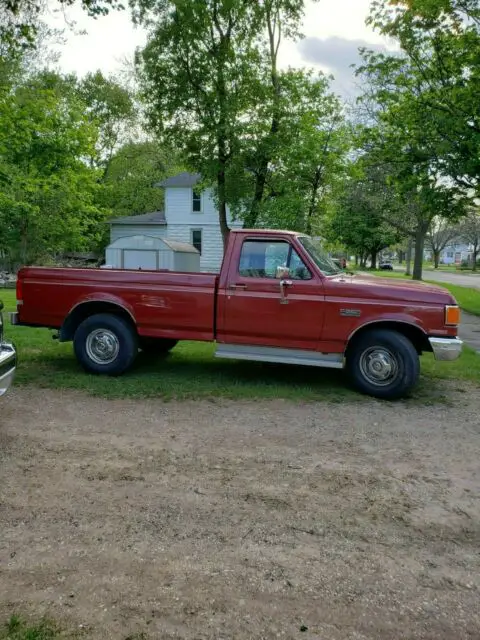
379	366
102	346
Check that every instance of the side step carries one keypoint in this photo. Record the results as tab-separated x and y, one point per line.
282	356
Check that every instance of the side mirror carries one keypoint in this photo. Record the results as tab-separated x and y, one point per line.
282	272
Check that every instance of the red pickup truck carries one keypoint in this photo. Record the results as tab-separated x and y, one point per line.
278	298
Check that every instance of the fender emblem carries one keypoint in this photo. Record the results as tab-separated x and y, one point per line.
350	313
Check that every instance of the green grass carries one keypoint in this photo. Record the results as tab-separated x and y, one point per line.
191	371
18	629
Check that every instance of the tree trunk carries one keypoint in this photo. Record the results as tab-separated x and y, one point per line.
274	38
408	271
251	218
420	234
222	203
356	260
222	139
436	258
400	257
313	200
374	260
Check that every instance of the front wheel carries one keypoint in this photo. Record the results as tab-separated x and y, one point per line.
105	344
383	364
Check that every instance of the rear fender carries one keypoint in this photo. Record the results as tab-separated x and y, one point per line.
91	305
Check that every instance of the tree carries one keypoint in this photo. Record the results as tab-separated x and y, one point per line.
469	231
282	19
406	146
210	78
439	236
197	73
359	220
440	44
47	193
129	182
309	155
111	107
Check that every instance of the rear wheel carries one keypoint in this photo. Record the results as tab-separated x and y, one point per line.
105	344
383	364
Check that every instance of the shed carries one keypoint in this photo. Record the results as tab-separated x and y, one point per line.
150	224
152	254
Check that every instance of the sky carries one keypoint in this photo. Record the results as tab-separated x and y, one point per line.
333	30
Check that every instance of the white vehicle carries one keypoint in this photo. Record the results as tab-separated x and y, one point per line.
8	359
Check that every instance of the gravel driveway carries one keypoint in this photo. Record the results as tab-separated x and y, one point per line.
242	520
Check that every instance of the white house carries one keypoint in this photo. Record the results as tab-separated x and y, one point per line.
190	216
454	253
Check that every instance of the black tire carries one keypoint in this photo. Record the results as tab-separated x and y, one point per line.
105	344
384	364
157	346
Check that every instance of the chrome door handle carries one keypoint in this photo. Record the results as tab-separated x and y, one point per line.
283	295
237	286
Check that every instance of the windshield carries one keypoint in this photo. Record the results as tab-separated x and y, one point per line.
319	256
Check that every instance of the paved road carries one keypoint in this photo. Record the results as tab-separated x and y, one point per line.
453	278
461	279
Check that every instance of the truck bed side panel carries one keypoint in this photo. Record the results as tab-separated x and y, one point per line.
162	304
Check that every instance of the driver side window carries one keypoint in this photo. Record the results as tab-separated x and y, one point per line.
260	259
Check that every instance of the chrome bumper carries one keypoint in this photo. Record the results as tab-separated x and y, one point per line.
446	348
8	364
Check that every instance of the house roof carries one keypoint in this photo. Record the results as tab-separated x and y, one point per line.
154	218
183	179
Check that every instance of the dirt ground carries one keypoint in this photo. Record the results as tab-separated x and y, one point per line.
226	520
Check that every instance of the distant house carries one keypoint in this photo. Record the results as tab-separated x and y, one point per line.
455	253
190	216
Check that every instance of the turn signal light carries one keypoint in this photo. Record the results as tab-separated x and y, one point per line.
452	315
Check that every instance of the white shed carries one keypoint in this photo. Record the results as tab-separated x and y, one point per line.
150	253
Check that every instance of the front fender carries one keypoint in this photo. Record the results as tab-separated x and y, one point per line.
383	319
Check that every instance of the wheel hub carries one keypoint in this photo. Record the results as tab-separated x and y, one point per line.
379	366
102	346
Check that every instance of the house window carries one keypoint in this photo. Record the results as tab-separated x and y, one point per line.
197	239
260	259
196	202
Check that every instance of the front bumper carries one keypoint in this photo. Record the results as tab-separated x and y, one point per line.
446	348
8	364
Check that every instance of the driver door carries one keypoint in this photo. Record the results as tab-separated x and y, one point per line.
262	308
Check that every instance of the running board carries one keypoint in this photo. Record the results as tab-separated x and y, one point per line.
282	356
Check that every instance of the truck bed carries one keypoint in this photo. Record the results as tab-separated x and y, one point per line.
161	303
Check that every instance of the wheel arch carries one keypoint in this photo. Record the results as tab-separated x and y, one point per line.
88	308
412	332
